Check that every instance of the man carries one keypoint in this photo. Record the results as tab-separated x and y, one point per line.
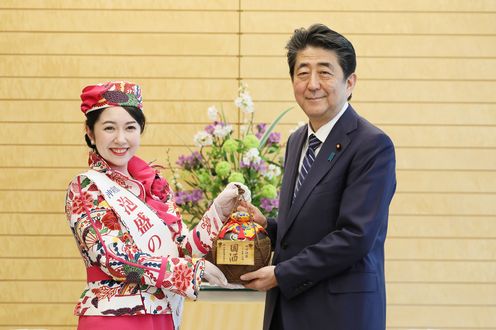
339	179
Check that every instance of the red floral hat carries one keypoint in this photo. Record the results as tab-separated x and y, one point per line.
112	93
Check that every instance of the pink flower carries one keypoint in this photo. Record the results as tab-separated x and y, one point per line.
182	277
110	221
126	238
80	202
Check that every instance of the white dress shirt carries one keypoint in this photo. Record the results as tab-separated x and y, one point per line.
321	133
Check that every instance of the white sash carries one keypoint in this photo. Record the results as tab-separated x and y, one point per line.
149	232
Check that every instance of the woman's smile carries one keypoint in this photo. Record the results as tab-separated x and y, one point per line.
119	151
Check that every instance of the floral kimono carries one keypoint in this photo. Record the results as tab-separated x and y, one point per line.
122	279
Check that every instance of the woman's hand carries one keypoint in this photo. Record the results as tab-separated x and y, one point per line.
227	200
256	214
215	276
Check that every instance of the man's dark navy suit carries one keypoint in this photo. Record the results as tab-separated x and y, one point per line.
329	241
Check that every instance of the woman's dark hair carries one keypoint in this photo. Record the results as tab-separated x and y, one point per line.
92	118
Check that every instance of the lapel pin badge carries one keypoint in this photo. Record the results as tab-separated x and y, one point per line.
331	156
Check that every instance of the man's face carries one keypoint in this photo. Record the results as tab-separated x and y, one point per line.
319	85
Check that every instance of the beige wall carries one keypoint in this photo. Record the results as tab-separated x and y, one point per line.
427	71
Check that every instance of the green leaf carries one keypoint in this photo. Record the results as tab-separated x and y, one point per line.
271	150
264	138
85	182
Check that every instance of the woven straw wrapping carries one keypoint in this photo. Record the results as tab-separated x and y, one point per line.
233	272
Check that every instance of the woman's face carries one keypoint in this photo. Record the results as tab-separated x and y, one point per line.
116	135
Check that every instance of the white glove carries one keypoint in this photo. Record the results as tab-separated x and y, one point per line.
215	276
247	193
227	199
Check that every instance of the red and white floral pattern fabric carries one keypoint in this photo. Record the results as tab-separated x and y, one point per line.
137	280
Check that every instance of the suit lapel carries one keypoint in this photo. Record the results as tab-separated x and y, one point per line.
291	171
328	156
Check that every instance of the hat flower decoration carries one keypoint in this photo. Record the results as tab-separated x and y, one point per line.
112	93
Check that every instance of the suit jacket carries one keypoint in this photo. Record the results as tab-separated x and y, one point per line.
329	241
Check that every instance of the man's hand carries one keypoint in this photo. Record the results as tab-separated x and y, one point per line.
263	279
257	215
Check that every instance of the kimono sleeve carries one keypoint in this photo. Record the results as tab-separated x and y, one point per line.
105	242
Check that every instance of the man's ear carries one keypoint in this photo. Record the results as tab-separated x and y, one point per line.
350	82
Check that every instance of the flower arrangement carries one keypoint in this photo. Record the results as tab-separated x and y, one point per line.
253	157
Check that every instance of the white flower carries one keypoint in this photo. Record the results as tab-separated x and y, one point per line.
243	128
222	131
252	156
203	139
244	102
272	172
179	185
212	113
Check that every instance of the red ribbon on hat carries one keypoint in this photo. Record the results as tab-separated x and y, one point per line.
112	93
92	98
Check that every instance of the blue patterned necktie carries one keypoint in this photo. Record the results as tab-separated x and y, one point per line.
313	144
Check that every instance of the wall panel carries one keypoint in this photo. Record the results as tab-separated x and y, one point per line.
74	157
395	113
185	55
379	23
426	74
153	44
419	271
375	45
155	89
181	133
425	294
426	181
158	111
119	67
372	7
446	226
386	68
34	224
118	21
380	90
225	5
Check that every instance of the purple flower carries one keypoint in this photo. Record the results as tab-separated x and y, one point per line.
181	161
261	128
181	197
260	166
196	156
274	138
189	162
196	196
269	204
191	196
210	129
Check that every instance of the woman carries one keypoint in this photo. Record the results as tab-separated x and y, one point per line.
140	258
